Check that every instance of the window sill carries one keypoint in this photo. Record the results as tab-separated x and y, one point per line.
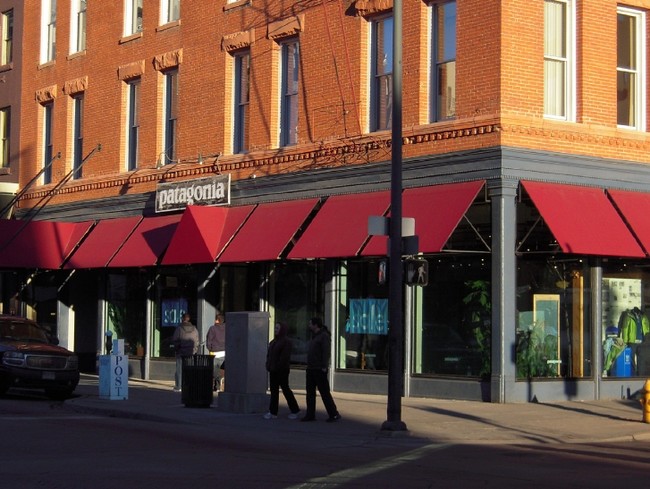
78	54
169	25
7	67
130	37
47	64
236	4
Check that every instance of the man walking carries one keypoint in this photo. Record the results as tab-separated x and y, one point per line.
318	359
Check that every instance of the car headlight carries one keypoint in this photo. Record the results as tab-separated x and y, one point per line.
72	363
14	358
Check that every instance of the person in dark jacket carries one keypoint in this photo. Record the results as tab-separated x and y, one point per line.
186	342
278	364
318	359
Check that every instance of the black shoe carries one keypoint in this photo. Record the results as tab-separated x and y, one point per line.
334	418
308	418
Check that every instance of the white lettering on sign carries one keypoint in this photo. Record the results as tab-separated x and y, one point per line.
177	195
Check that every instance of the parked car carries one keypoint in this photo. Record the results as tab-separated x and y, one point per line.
30	358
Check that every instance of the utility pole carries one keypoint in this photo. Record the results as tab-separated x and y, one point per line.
395	273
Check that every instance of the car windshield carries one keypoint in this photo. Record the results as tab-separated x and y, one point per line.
22	331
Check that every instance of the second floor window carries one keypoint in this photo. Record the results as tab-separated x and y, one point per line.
289	100
48	154
132	17
78	136
78	26
242	76
381	89
170	11
7	31
630	68
133	124
171	114
5	127
444	72
558	59
48	30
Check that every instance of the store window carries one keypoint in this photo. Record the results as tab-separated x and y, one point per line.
553	330
126	309
625	323
363	335
452	331
297	297
175	295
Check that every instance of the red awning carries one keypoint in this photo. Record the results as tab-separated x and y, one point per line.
437	211
582	220
103	242
147	243
341	226
635	207
38	244
268	231
203	233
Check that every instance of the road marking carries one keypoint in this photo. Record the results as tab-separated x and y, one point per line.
43	418
346	476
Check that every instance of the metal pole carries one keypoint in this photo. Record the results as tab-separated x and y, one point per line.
395	283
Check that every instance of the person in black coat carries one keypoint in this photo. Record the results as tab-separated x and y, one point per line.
278	364
318	360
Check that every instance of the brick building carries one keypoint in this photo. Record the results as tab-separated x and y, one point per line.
525	151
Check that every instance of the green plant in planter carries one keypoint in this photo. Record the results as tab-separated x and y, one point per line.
534	350
478	315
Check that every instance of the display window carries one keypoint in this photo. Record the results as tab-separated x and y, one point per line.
553	333
297	295
625	323
452	327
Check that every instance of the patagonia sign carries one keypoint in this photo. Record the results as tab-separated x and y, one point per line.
204	191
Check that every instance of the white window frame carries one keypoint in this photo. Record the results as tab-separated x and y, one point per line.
78	32
639	93
47	141
565	110
77	134
6	49
289	102
5	136
132	123
132	23
241	115
170	11
48	31
375	79
434	109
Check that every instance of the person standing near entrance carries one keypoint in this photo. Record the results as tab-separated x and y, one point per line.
278	364
318	359
186	343
216	343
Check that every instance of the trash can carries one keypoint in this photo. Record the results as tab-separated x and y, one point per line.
196	387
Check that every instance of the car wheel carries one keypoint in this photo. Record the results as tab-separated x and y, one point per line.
58	394
4	387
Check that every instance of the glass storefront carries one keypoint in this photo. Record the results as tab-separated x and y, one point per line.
452	330
553	333
298	295
625	323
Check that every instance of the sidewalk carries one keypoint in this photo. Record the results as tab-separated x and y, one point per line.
460	422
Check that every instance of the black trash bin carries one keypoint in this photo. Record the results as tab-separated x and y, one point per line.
196	388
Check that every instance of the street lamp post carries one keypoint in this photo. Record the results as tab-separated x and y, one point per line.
395	283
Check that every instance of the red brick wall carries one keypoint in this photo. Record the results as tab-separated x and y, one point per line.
499	88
